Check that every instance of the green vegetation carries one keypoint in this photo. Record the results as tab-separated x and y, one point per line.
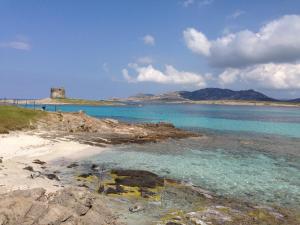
84	101
15	118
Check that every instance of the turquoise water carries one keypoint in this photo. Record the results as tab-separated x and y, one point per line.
250	176
250	153
266	120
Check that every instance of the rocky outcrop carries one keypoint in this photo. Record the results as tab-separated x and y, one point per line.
180	203
65	207
95	131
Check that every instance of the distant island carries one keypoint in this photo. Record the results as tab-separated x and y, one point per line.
212	96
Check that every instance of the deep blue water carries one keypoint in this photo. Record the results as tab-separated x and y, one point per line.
250	152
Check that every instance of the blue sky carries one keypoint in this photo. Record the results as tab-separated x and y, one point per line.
103	49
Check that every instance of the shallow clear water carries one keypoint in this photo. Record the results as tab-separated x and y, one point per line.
250	152
253	176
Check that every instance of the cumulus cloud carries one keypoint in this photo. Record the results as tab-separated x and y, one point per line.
228	76
280	76
276	42
270	75
197	42
169	76
149	39
19	45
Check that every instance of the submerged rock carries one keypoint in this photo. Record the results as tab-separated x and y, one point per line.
37	161
173	223
52	176
85	175
136	208
138	178
72	165
94	167
111	190
29	168
145	193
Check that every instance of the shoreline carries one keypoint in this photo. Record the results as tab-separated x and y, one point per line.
221	102
65	101
50	155
61	158
71	136
18	150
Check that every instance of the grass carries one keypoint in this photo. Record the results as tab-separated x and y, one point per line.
84	101
15	118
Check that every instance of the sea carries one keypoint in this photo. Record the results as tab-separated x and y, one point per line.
246	152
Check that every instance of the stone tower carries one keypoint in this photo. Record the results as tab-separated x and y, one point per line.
58	93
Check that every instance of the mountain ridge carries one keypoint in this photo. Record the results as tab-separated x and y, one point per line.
224	94
209	94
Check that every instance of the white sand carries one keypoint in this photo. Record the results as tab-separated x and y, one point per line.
19	149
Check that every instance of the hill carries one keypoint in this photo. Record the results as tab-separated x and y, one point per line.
297	100
224	94
213	96
205	94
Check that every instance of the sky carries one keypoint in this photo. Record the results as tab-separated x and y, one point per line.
104	49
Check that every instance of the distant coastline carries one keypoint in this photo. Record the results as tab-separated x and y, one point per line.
206	96
241	103
60	101
212	96
123	102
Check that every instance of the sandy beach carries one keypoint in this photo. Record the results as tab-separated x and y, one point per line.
19	149
69	137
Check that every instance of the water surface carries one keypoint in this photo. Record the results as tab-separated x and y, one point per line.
258	119
249	152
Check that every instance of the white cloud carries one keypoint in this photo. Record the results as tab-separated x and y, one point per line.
228	76
19	45
126	75
187	3
196	41
278	42
205	2
169	76
281	76
236	14
149	39
144	60
270	75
